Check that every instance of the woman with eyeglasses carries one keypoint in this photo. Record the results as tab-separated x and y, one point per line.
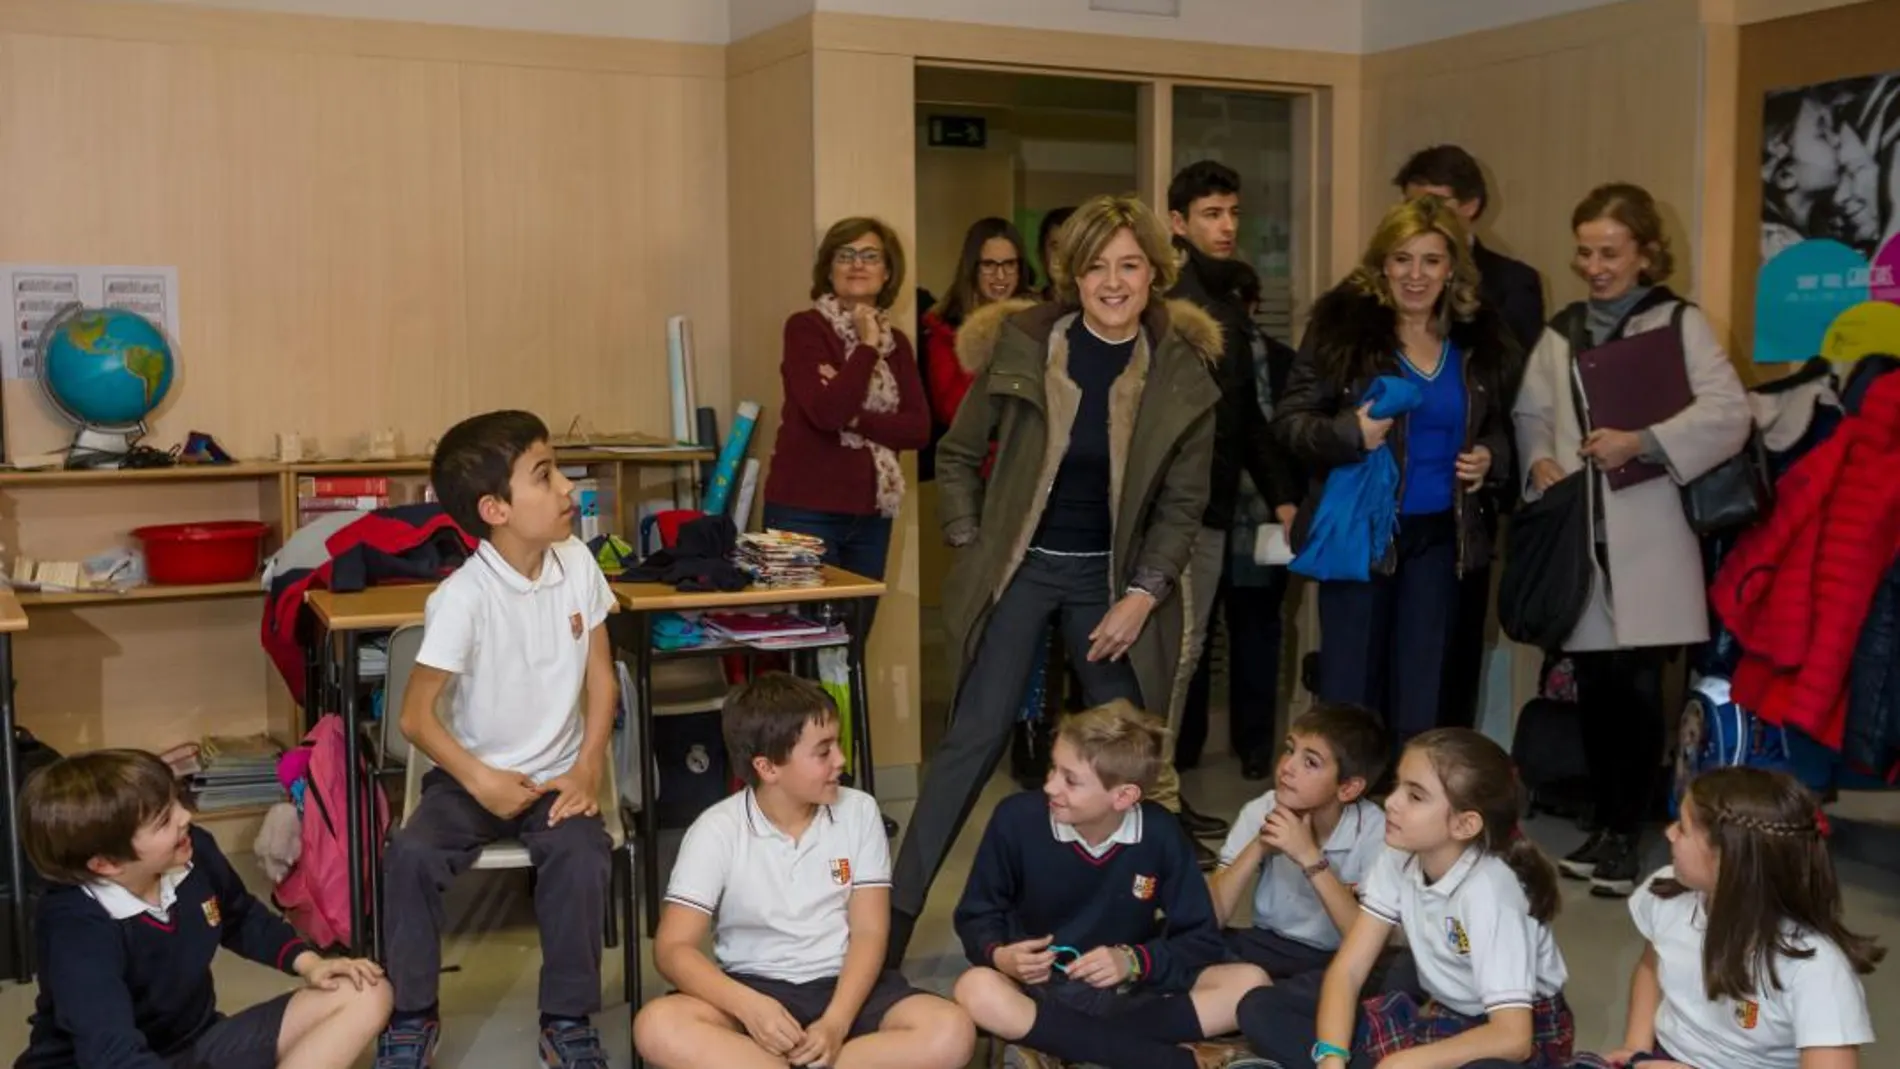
992	268
853	401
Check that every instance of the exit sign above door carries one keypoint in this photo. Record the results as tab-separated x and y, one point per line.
958	131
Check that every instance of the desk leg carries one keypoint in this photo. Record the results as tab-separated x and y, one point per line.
649	818
16	867
860	698
361	941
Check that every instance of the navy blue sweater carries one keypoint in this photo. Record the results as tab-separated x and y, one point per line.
1026	884
129	994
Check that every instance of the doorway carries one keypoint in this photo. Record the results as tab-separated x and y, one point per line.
1011	146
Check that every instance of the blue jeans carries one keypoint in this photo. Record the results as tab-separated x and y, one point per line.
1383	642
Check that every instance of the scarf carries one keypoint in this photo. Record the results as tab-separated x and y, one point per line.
880	396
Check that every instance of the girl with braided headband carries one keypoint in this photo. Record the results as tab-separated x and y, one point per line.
1749	965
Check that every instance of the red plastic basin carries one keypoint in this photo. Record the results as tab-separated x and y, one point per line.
225	551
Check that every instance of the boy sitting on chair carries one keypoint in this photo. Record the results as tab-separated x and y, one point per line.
520	628
141	904
1059	917
793	876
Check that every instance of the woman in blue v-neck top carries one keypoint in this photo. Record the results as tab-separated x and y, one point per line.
1411	310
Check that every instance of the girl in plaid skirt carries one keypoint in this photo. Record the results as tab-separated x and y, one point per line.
1475	898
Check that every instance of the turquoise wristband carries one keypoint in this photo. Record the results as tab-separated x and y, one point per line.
1323	1050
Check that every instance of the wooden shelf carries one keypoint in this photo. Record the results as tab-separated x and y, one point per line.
247	588
267	469
178	473
201	815
420	465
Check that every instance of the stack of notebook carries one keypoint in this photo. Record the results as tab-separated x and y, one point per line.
764	630
781	559
236	772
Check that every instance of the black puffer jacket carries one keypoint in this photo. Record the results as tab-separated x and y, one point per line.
1318	421
1243	440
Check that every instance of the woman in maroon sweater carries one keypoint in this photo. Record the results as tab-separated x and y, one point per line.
853	400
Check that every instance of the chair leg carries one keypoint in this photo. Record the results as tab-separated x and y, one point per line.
631	978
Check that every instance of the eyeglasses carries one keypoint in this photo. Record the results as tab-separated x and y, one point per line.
847	256
999	267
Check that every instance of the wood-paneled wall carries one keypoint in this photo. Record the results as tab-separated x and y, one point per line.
367	238
375	225
826	134
1552	108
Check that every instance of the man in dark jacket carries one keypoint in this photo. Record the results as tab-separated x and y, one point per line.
1204	212
1515	291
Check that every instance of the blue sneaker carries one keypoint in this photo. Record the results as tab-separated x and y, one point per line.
571	1045
408	1045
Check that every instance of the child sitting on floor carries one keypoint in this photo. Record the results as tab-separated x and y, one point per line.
143	902
1748	964
793	877
1306	844
1475	899
1059	915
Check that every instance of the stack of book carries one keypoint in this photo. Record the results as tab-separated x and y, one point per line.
782	559
320	494
234	772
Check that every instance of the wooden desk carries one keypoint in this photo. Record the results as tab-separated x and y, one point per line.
12	620
342	621
344	618
852	593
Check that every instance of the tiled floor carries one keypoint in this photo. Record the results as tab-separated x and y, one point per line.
490	996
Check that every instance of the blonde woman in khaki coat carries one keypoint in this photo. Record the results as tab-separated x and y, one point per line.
1649	596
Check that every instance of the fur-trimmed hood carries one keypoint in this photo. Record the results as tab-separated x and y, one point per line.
977	338
1356	329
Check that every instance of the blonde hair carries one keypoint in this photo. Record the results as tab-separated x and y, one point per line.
1093	226
1120	742
1408	220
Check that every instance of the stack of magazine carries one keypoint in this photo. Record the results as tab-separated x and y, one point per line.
234	772
782	559
780	630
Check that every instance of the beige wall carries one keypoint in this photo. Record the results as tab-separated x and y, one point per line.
375	225
1551	108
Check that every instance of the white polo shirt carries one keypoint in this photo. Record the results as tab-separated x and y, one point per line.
779	906
1284	901
1477	947
518	650
1820	1002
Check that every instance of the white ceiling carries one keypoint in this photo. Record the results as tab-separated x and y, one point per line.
1318	25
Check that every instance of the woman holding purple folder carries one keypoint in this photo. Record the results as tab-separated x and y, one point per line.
1648	596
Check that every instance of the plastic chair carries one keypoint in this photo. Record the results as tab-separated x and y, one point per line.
404	644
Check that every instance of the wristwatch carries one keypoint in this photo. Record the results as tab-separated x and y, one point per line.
1316	867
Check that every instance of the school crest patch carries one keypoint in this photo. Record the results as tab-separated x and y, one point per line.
212	915
1145	888
574	624
841	871
1747	1013
1455	937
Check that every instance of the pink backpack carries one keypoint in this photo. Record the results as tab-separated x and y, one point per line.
315	894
